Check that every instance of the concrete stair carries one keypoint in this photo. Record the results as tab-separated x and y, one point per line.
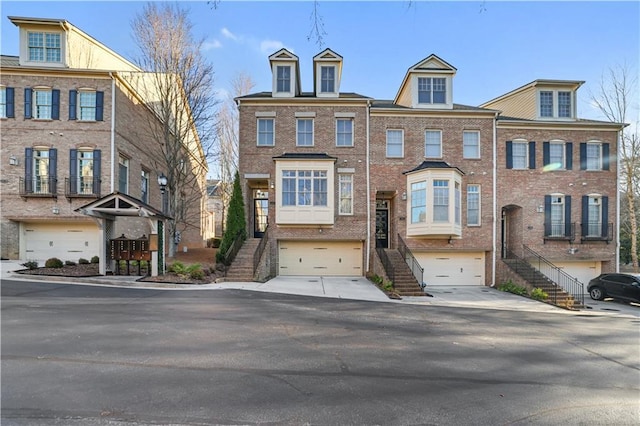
404	282
241	269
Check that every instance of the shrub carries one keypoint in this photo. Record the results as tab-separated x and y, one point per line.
69	263
95	259
197	274
539	294
235	221
31	264
54	262
511	287
388	285
82	261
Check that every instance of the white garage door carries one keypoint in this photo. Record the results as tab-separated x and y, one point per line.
343	258
583	271
64	240
452	268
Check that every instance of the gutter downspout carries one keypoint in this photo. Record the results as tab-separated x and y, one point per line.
113	131
620	138
368	239
495	201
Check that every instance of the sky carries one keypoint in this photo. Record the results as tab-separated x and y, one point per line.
496	46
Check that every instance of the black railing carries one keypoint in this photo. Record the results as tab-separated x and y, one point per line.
38	187
565	281
416	269
79	187
257	255
525	269
558	232
387	264
593	232
235	248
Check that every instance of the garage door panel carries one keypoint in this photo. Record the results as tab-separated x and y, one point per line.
320	258
582	271
66	241
452	268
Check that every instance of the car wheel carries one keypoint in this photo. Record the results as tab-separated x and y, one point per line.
596	293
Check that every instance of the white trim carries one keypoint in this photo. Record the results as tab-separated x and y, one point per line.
305	114
344	115
265	114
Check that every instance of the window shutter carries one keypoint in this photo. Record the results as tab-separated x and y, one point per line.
567	215
532	155
605	216
10	99
55	104
73	96
546	154
583	156
73	171
99	106
28	96
605	156
547	215
509	155
97	156
568	155
585	215
28	170
53	167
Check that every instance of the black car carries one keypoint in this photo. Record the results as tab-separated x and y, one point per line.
617	286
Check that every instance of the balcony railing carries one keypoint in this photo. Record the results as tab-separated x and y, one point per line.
39	186
557	232
82	187
593	231
565	281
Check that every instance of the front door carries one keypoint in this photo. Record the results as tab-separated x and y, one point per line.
382	228
260	213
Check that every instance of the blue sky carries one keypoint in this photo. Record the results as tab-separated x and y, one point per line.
496	46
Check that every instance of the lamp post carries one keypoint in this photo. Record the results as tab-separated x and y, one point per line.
162	181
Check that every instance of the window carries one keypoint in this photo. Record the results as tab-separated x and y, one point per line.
557	216
395	143
431	90
594	156
564	104
594	222
86	105
440	200
44	47
305	132
546	104
144	186
458	202
41	171
345	190
85	172
327	79
123	175
304	188
265	132
595	217
433	144
283	76
42	104
521	154
471	144
344	132
419	202
6	102
473	205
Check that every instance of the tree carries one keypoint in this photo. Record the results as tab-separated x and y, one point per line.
236	223
616	91
177	85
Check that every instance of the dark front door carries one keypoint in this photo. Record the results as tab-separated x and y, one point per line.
260	216
382	228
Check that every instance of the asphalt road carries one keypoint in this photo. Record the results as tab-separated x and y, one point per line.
75	355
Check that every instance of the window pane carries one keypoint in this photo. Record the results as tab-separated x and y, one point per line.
305	132
519	154
289	188
595	221
283	79
319	188
265	132
42	104
557	217
433	144
556	155
3	102
473	205
394	143
327	79
87	106
593	156
439	91
85	172
418	202
424	90
564	104
304	188
344	132
346	194
440	200
546	104
471	144
41	171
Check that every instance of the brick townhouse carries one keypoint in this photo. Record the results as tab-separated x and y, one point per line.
341	178
71	136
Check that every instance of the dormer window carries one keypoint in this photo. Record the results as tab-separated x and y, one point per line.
555	104
564	104
283	79
328	79
432	90
44	47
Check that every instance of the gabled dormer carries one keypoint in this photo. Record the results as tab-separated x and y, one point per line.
428	84
552	100
327	71
285	68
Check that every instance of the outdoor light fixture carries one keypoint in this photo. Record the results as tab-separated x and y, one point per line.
13	160
162	181
404	196
55	210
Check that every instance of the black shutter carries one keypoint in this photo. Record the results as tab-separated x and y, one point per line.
28	170
99	106
532	155
73	171
96	171
583	156
546	154
605	156
55	104
53	167
547	215
605	216
567	215
568	154
585	215
28	97
73	96
10	99
509	155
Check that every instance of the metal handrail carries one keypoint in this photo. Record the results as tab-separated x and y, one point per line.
416	269
38	186
235	247
584	232
556	275
257	255
387	264
74	187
